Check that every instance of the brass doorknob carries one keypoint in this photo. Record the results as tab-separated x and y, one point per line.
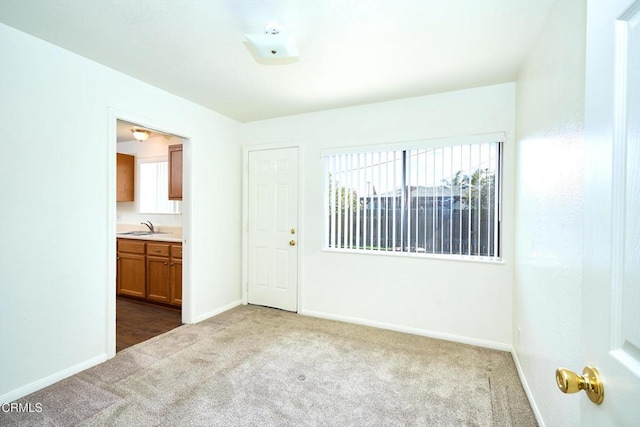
292	242
590	381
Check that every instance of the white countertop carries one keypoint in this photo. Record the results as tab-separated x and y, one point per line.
169	237
165	234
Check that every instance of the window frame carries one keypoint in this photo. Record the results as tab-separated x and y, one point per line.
174	204
422	144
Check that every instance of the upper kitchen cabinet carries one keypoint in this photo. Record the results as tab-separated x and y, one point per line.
126	166
175	172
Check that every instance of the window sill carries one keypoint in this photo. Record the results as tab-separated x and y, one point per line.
457	258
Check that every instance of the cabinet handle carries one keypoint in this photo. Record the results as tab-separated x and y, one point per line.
165	263
172	264
157	250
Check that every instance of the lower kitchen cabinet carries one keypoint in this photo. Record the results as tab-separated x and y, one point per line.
131	273
158	273
158	279
175	281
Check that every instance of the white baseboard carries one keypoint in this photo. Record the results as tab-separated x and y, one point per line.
527	390
416	331
51	379
217	311
59	376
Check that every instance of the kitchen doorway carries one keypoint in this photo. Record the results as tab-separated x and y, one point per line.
148	221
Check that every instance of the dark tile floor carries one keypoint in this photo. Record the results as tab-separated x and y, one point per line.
138	321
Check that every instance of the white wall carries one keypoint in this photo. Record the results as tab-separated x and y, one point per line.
465	301
57	218
548	280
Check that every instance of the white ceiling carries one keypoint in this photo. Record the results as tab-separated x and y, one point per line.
352	52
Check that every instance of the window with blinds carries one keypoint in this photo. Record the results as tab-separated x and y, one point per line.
429	200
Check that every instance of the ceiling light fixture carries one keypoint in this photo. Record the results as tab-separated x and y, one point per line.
274	43
140	134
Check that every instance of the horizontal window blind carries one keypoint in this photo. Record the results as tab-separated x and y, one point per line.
433	200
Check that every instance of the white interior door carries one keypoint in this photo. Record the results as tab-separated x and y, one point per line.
611	296
272	239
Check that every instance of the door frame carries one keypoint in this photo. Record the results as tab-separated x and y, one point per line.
245	216
188	296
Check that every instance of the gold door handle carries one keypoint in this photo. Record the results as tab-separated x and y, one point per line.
292	242
590	381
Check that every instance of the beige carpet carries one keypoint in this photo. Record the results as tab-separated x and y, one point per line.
255	366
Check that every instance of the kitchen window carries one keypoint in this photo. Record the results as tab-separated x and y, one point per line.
154	187
427	198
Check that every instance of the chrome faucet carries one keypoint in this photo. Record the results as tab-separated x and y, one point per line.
149	225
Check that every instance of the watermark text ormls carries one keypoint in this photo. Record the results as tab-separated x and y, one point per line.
21	407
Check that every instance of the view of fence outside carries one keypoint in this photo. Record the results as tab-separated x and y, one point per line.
435	201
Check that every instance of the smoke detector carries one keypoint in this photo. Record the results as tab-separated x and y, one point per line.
275	42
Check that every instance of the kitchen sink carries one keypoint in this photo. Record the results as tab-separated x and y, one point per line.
140	233
136	233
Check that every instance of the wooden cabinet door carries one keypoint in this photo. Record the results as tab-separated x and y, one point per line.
176	282
158	279
125	172
131	275
175	172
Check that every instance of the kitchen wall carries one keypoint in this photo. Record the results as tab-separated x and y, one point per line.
548	274
58	215
154	147
463	301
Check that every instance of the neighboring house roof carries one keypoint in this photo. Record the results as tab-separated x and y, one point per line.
422	191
